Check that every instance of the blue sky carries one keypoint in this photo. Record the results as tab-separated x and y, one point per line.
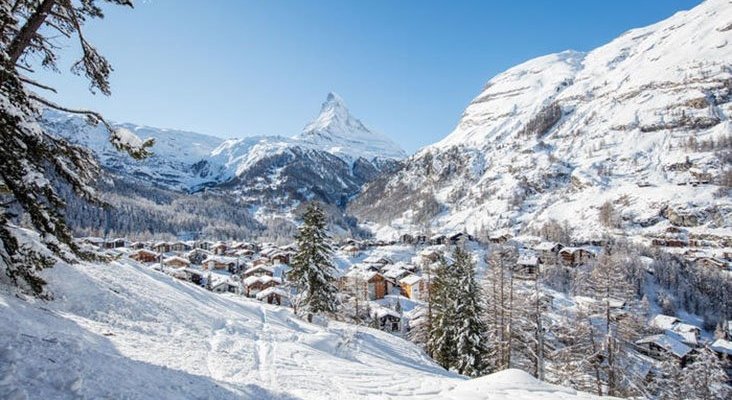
406	68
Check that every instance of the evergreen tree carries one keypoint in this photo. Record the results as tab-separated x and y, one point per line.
471	340
32	158
312	272
441	343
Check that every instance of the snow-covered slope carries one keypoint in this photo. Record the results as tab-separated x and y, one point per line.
123	330
642	123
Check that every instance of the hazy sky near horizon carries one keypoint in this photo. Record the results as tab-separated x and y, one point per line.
405	68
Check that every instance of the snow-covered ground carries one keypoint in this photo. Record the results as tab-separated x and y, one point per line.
124	330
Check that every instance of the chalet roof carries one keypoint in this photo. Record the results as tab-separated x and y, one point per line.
668	343
226	282
546	246
259	267
221	259
722	346
250	280
663	322
146	251
176	258
271	290
682	327
395	273
410	280
683	337
161	244
528	259
381	312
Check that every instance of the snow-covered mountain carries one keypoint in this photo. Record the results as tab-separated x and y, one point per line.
124	330
640	125
175	152
330	160
338	132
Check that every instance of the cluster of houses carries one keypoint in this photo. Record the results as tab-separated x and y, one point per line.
678	340
243	268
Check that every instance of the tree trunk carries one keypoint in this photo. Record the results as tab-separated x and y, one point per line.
22	40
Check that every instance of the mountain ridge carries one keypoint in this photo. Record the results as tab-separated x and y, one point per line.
635	123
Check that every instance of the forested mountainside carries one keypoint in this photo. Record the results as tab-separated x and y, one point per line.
198	184
631	137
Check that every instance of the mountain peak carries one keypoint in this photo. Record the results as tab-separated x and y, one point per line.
337	131
334	118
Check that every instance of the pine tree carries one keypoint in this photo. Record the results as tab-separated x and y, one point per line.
32	158
441	344
471	340
312	272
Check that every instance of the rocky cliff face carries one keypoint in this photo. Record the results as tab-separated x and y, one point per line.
640	125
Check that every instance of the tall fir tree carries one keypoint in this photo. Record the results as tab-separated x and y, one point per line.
312	272
31	158
442	331
471	341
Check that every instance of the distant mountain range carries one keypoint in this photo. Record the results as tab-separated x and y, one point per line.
329	161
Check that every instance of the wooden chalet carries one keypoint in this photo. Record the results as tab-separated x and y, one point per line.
180	246
259	270
386	319
203	245
273	295
161	247
414	287
219	248
527	267
574	256
280	258
660	346
176	262
548	252
220	262
144	255
256	284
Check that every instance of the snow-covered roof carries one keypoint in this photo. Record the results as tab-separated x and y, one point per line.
176	259
683	337
671	345
663	322
271	290
722	346
259	267
250	280
528	260
381	312
220	259
410	280
545	246
682	327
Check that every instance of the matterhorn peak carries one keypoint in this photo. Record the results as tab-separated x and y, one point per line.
334	118
337	131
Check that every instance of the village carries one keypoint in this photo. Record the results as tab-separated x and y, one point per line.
388	282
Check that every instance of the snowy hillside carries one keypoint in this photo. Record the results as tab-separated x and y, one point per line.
123	330
641	123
